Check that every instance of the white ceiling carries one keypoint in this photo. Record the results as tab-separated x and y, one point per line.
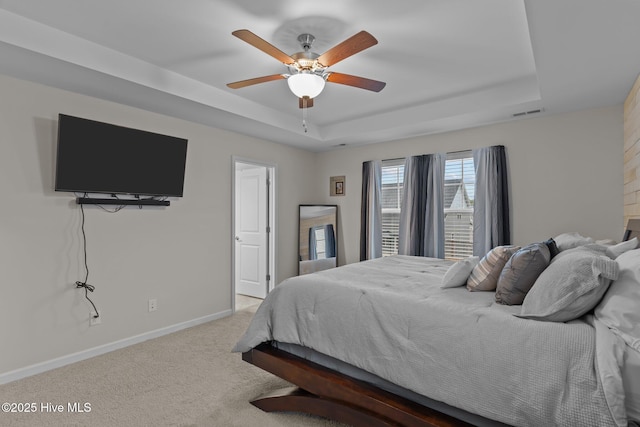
448	64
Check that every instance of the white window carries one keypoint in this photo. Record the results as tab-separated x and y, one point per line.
459	183
392	185
459	187
321	252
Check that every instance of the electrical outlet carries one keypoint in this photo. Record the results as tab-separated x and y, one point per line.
153	304
93	321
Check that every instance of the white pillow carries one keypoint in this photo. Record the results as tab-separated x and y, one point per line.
620	307
616	250
459	272
566	241
571	286
606	242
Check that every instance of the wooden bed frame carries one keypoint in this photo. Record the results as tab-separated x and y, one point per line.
324	392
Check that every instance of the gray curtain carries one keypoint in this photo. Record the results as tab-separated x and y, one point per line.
491	206
422	210
371	211
330	241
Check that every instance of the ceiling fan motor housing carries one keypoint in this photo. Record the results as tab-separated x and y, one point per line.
306	60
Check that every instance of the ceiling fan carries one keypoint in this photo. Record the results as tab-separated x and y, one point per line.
307	70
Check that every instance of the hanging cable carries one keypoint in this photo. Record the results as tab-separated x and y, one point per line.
87	287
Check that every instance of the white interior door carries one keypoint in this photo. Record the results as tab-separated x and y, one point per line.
251	237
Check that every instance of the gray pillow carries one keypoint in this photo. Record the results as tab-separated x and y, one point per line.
520	273
571	286
553	248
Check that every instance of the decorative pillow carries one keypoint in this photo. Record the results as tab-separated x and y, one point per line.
459	272
553	248
606	242
571	240
571	286
620	307
616	250
484	276
593	247
520	273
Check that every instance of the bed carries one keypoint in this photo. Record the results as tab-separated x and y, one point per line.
381	343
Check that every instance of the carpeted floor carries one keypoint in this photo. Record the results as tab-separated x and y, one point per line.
188	378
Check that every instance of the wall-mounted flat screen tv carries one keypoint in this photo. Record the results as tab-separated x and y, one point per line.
97	157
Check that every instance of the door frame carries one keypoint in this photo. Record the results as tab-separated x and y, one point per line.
271	253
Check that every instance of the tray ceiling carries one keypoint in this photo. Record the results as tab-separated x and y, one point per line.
448	64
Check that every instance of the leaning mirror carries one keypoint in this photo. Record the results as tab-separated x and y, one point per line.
317	237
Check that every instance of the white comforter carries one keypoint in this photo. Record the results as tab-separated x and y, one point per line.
390	317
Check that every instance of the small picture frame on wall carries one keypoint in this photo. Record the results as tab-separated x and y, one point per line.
337	186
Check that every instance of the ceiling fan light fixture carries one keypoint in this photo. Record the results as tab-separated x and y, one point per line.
306	84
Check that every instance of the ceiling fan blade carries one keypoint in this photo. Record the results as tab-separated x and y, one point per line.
249	82
307	100
361	82
264	46
350	46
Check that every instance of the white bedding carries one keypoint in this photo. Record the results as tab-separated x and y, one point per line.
631	380
311	266
389	317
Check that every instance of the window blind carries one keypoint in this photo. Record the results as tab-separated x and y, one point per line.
392	185
458	205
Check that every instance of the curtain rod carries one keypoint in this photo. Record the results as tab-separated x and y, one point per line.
448	152
402	158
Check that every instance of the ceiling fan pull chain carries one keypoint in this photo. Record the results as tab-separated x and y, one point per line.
304	114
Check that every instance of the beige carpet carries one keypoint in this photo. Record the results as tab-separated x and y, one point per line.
188	378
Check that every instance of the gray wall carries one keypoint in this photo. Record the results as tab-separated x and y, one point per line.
565	174
180	255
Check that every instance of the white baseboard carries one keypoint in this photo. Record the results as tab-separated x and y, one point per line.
58	362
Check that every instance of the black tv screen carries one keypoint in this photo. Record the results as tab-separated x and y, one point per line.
96	157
